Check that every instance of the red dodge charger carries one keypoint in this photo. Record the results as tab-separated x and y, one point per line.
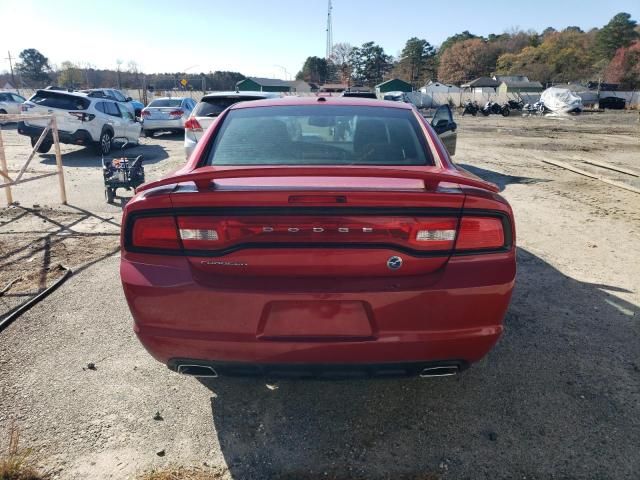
319	237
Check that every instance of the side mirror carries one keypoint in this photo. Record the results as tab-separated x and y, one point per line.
128	99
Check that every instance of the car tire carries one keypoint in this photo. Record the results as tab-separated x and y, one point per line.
3	112
148	133
44	147
104	144
505	112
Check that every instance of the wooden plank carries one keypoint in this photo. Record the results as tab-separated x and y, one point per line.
34	151
7	117
571	168
25	180
56	142
5	174
609	166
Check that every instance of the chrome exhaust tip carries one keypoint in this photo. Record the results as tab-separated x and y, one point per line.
442	371
197	371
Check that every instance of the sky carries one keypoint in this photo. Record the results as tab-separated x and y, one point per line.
258	38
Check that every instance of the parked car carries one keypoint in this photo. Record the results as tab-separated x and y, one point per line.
612	103
397	97
370	95
81	119
210	106
10	103
166	114
318	237
132	105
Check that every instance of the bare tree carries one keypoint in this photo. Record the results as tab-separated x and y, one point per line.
340	57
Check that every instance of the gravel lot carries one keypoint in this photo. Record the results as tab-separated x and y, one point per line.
559	397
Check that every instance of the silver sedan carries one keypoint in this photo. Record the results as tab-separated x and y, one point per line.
166	114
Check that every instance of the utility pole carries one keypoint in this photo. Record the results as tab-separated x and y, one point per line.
329	31
13	79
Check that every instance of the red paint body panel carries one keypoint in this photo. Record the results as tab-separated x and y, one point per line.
309	304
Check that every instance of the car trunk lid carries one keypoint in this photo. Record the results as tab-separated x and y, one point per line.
299	222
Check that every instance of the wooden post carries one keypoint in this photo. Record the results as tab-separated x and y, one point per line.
56	142
5	171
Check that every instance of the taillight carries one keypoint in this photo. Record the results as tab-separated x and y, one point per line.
145	113
82	116
477	233
176	113
204	232
155	232
420	234
193	124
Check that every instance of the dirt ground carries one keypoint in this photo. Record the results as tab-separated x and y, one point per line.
559	396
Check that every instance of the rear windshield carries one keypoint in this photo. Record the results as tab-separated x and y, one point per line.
212	107
167	102
53	99
319	135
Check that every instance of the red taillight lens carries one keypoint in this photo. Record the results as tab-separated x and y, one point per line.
176	113
480	233
193	124
436	234
145	113
156	232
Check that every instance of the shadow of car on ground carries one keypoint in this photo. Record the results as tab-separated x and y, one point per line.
88	157
500	179
555	397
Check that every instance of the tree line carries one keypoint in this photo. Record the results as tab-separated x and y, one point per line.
34	70
610	53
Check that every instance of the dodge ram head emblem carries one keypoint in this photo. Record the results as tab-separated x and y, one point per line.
394	263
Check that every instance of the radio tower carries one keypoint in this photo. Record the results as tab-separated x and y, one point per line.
329	31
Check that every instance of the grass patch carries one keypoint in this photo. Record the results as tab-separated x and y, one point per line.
179	473
16	464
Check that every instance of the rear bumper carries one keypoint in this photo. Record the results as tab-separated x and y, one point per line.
151	124
456	315
79	137
189	146
316	370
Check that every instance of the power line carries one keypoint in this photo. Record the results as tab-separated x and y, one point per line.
13	79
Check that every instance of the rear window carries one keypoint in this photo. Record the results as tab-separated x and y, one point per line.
212	107
167	102
53	99
320	135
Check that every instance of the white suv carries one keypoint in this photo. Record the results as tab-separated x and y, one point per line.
82	120
210	106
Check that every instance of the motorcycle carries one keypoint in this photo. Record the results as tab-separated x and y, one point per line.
495	108
537	108
516	104
470	107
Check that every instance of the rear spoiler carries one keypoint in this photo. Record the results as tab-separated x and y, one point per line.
203	177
